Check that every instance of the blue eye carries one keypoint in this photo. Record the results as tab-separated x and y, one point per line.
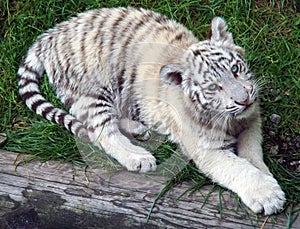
234	69
213	87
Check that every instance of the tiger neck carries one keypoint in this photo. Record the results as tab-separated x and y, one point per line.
209	119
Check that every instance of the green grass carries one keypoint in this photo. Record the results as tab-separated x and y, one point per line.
268	30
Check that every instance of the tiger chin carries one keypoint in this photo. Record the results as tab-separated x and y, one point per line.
131	69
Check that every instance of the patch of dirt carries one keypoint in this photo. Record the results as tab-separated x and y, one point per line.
284	147
278	5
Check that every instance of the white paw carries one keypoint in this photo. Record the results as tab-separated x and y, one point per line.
141	162
263	195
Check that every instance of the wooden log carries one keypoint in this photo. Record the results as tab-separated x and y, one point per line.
62	195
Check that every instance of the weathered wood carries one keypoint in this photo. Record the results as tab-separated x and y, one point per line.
68	196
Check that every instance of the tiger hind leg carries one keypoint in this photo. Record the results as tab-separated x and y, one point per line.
104	132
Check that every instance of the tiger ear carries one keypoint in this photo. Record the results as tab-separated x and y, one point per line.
171	74
218	31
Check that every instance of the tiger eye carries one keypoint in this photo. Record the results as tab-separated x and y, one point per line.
213	87
234	69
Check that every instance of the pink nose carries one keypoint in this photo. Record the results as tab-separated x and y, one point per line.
246	102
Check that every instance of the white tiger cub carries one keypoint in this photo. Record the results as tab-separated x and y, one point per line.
134	69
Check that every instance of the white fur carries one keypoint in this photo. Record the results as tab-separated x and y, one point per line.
182	87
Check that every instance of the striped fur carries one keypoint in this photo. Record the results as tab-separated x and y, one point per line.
132	69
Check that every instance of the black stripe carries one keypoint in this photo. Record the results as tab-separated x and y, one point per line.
69	102
27	81
98	39
218	105
68	65
136	27
57	68
105	121
61	118
133	27
222	58
232	146
36	104
197	97
121	80
231	57
68	68
213	68
160	19
83	52
104	98
38	48
108	94
220	67
47	110
241	57
216	54
82	44
197	52
102	112
101	104
200	67
30	70
27	95
54	115
179	36
204	106
124	35
104	91
132	75
136	112
115	28
128	33
69	125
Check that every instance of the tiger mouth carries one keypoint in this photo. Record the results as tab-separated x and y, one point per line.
245	110
247	107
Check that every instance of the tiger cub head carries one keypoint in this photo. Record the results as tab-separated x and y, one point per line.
214	76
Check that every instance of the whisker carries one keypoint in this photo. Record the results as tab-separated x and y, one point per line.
259	84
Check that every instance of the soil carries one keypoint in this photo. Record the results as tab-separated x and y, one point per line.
283	145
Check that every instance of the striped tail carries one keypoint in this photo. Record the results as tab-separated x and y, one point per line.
30	73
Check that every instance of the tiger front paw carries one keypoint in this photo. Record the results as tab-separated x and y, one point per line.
140	162
264	195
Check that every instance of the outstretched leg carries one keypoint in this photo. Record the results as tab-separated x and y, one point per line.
133	157
256	187
249	145
99	115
